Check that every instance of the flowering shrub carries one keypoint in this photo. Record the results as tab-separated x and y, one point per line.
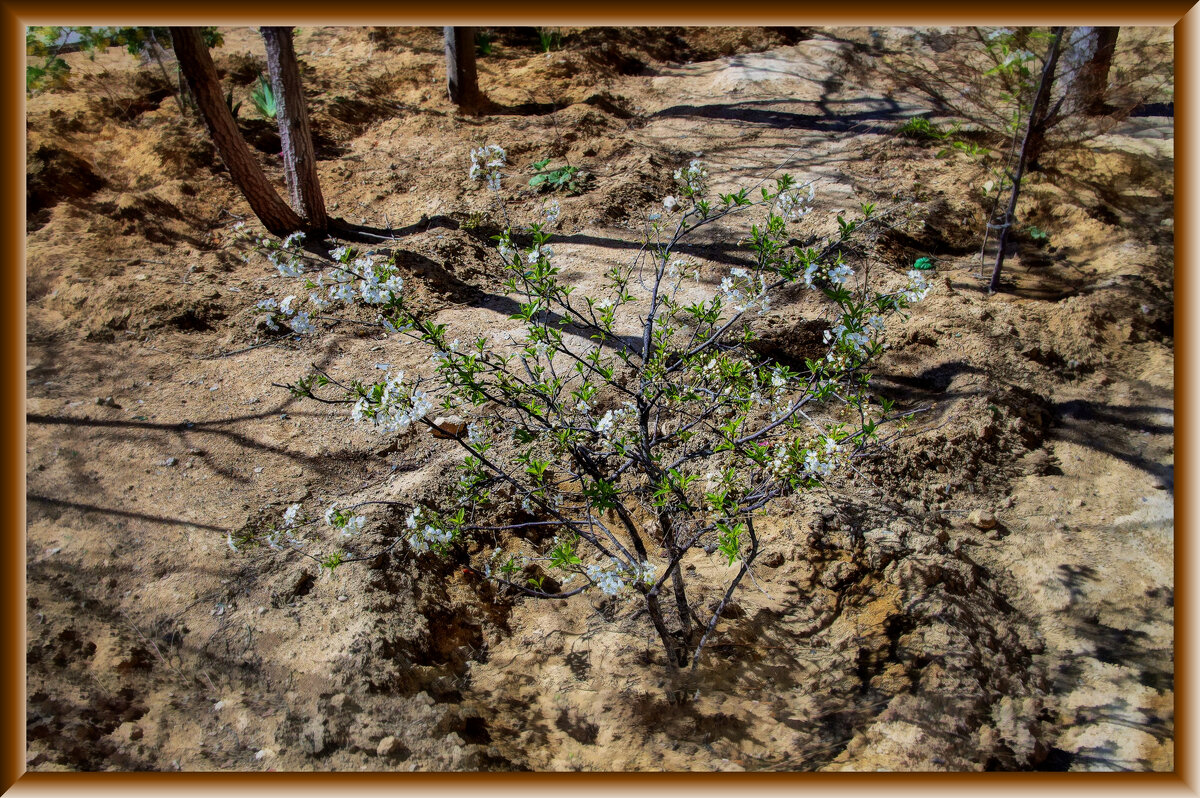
635	426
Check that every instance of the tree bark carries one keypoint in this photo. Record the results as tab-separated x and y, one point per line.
1088	57
299	157
197	67
461	78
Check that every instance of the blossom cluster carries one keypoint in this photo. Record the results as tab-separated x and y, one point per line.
287	259
838	274
693	179
918	286
744	291
391	406
856	337
285	311
359	277
349	525
486	162
794	206
611	579
424	535
817	460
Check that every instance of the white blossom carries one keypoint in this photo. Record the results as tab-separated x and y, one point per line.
609	581
301	324
606	424
353	526
841	274
488	160
694	178
918	286
343	291
793	207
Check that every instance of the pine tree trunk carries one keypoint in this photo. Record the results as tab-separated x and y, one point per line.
201	74
461	78
299	158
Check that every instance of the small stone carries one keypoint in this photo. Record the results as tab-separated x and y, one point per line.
170	461
922	543
448	427
982	519
262	610
106	401
343	598
772	559
265	753
217	707
389	747
258	470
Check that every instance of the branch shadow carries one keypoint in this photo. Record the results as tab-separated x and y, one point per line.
862	122
1084	422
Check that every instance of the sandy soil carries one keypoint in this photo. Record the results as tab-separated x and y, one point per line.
891	627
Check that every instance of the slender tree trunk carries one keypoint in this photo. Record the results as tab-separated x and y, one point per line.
461	78
1032	144
197	67
1041	117
299	158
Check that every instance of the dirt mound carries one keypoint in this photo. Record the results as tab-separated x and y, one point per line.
53	175
993	590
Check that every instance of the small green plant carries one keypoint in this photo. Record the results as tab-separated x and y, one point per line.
559	177
1038	234
920	128
476	220
923	265
969	148
263	97
549	39
483	41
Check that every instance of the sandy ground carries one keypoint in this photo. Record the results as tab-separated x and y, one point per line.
890	628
